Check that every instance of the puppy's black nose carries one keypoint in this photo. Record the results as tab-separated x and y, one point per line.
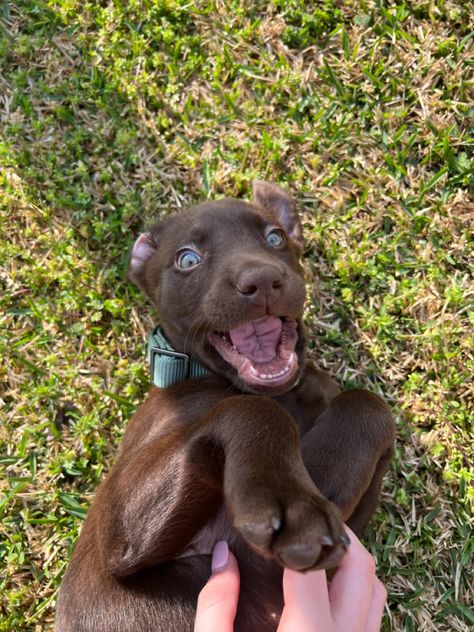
260	283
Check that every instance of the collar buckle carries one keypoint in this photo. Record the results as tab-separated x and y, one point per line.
155	352
168	366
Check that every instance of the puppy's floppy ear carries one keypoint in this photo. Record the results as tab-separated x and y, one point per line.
144	247
278	204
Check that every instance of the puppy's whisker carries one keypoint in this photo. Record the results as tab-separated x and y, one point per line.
193	331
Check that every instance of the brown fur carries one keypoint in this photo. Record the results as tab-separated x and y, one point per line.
273	471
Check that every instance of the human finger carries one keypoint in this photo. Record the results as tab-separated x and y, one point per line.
376	608
306	599
217	602
350	591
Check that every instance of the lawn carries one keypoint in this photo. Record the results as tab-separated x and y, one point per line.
114	113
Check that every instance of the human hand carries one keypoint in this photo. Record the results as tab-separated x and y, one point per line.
354	600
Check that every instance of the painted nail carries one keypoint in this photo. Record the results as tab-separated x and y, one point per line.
220	556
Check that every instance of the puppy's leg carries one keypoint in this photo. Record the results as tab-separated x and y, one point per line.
348	451
247	451
367	505
273	500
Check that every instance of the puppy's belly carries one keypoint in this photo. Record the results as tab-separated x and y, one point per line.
219	528
260	599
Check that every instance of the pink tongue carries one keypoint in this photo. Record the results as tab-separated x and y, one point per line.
258	340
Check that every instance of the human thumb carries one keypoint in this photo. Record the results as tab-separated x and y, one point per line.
217	602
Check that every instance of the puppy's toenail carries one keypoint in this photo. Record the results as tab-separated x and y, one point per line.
345	540
276	524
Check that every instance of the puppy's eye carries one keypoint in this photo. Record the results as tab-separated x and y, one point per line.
276	238
187	259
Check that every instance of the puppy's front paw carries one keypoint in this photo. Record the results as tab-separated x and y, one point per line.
300	529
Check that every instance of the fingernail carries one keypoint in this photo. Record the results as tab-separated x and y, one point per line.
220	556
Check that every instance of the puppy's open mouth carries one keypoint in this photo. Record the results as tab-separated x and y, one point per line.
262	351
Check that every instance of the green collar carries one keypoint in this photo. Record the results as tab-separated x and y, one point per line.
167	366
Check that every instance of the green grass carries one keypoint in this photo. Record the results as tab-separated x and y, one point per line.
112	114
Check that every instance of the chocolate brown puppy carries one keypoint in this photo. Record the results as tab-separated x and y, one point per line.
243	440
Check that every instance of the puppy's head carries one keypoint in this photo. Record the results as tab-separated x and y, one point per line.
226	280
